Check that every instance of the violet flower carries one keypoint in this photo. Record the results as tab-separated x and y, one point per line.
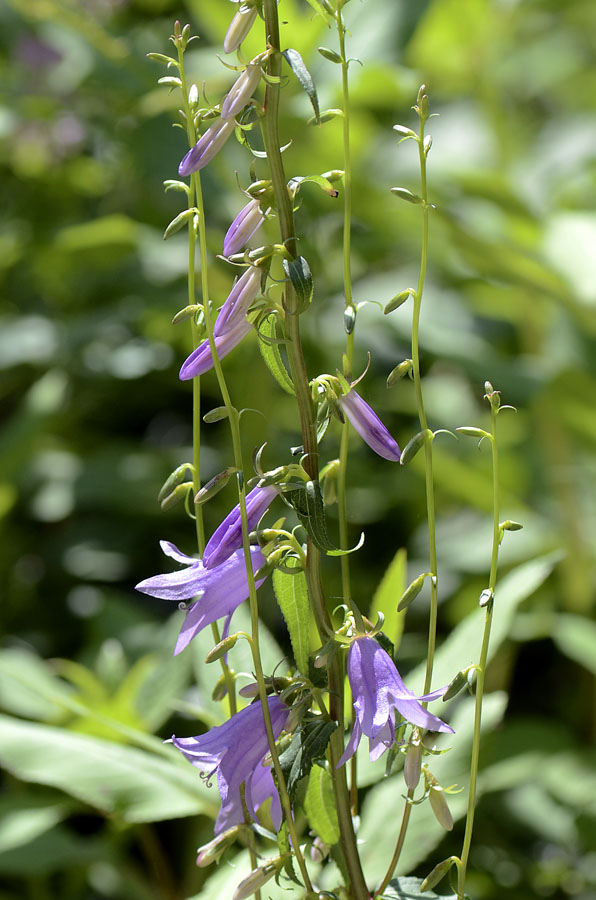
227	537
247	222
220	590
201	360
235	751
239	27
241	91
238	301
369	426
377	690
206	147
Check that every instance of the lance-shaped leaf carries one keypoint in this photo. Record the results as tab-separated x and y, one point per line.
308	745
319	804
298	271
292	597
296	63
269	348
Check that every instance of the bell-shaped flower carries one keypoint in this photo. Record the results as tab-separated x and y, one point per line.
206	147
227	537
369	426
230	327
241	92
220	591
377	690
239	27
247	222
236	751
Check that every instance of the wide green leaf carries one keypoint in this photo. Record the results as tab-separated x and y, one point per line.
319	804
386	597
130	784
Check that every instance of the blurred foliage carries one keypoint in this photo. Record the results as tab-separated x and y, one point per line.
94	418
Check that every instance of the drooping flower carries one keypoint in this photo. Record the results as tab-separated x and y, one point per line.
239	27
230	327
201	360
241	91
220	591
236	751
227	537
247	222
378	690
206	147
369	426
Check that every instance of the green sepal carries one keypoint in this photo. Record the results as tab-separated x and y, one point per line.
296	64
179	222
307	746
331	55
412	591
222	648
413	446
272	357
404	194
216	414
387	644
298	271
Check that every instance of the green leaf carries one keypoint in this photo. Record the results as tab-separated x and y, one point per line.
272	356
407	888
24	818
307	500
319	804
321	181
129	784
296	63
298	271
387	594
292	597
308	745
575	636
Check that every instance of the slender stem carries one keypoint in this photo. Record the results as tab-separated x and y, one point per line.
481	670
304	402
430	496
399	845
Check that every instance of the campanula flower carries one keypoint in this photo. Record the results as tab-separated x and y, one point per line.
236	751
378	690
206	147
247	222
220	591
241	92
227	537
239	27
201	360
369	426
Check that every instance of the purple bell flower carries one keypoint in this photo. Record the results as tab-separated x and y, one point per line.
241	92
235	751
369	426
227	537
220	590
378	690
239	27
206	147
200	360
247	222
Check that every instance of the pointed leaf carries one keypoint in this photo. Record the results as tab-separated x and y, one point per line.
387	595
319	804
292	597
297	66
298	271
408	888
308	745
272	356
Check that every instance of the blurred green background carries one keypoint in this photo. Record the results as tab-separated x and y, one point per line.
94	419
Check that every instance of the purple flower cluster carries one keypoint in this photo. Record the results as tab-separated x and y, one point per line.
378	690
236	751
219	579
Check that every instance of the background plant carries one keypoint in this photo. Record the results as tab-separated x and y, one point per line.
86	310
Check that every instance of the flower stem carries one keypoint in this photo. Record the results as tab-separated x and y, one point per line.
310	461
481	669
399	845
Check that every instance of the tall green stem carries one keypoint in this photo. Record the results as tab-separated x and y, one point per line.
481	669
304	402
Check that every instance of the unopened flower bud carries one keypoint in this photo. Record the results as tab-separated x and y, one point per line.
257	878
206	147
413	762
404	368
241	91
440	808
212	852
247	222
239	27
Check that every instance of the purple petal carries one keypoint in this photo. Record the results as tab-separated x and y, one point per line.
369	426
224	589
228	535
206	147
171	550
241	92
201	360
247	222
353	743
238	301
